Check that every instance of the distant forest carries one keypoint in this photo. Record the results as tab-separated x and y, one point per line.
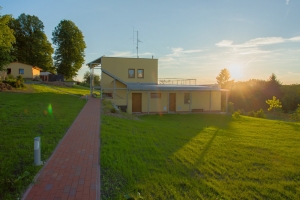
252	95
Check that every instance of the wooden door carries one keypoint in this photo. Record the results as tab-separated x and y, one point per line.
172	102
136	102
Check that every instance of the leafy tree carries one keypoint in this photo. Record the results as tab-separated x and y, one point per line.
70	45
7	39
87	77
32	46
274	104
223	77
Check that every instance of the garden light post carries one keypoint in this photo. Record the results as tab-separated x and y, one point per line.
37	151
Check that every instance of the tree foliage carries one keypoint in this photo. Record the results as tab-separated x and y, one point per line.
273	104
70	45
273	87
7	39
87	78
223	78
32	46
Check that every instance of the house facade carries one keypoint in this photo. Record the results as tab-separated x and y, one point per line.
27	71
132	85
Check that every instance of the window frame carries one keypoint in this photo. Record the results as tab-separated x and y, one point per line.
185	99
21	70
142	73
155	95
133	73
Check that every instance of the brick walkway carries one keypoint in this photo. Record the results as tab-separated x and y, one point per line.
73	171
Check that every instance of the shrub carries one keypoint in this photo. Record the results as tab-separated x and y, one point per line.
9	77
19	82
251	113
236	114
113	110
260	114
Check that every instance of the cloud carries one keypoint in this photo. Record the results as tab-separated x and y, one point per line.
225	43
257	42
287	2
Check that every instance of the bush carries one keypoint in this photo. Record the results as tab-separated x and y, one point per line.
251	113
9	77
19	82
236	114
113	110
260	114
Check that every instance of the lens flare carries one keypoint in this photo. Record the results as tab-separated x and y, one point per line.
50	109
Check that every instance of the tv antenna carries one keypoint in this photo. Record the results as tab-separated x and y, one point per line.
137	44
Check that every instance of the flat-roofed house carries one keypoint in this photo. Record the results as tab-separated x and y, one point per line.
133	85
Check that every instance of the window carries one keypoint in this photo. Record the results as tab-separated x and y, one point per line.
8	70
21	71
131	73
155	95
187	98
140	73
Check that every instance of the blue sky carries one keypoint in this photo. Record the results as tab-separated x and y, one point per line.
191	39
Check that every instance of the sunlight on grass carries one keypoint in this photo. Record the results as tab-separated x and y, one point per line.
199	157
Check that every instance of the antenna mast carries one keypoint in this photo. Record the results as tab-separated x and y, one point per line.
137	44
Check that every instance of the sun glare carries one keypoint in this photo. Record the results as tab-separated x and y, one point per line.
236	72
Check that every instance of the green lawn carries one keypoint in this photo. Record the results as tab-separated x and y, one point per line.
47	113
199	157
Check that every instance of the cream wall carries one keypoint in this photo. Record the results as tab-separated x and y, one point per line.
119	68
35	73
29	71
199	100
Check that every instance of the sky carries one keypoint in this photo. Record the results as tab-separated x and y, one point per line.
190	39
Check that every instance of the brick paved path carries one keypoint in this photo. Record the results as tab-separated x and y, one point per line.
73	171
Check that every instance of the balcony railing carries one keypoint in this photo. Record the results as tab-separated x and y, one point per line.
176	81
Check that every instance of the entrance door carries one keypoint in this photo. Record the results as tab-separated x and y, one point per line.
172	102
136	102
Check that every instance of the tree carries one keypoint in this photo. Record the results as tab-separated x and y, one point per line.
32	46
70	45
274	104
223	78
87	77
273	87
7	39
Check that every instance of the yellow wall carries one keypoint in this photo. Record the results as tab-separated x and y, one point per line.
29	72
199	100
119	68
35	73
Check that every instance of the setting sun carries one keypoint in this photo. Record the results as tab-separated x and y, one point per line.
236	72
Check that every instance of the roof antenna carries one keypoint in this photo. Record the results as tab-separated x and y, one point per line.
137	44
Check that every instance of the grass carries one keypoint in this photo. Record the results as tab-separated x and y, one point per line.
47	113
199	157
75	90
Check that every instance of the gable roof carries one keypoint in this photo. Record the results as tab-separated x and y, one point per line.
34	67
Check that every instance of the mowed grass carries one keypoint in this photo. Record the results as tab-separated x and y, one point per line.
46	113
202	156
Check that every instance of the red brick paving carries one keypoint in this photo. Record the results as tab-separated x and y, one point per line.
73	171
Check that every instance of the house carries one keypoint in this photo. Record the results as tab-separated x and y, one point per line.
132	84
27	71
